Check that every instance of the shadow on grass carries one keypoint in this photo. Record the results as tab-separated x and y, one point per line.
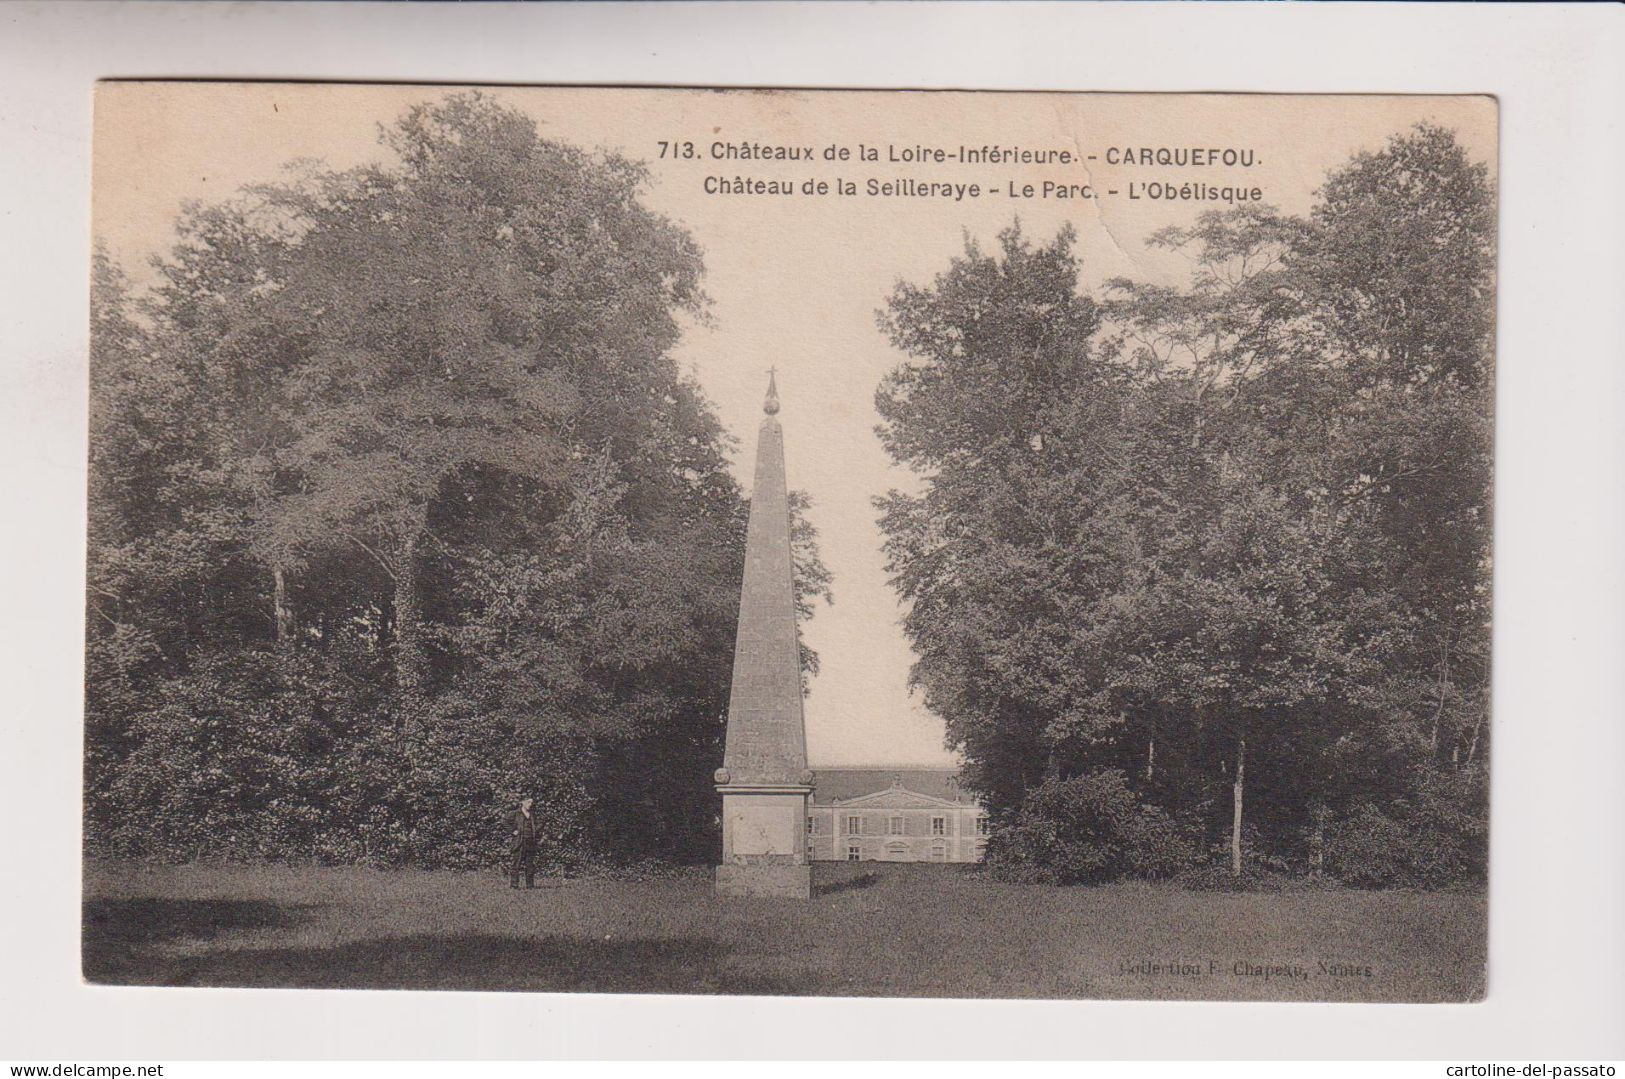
119	936
471	961
849	884
149	921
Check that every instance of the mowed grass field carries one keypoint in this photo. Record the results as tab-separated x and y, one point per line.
870	930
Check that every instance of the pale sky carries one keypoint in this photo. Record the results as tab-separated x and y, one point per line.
795	282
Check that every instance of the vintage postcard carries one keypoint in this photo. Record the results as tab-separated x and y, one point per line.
858	543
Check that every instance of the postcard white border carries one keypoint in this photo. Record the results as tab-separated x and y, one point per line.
1557	933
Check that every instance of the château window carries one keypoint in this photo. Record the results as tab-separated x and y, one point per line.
854	853
854	826
896	826
982	827
939	825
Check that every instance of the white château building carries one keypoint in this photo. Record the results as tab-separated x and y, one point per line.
893	815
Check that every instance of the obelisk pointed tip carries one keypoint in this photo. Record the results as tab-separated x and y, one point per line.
764	780
771	404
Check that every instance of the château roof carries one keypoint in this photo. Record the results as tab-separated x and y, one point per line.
842	784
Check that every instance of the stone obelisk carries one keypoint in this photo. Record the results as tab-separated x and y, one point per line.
764	781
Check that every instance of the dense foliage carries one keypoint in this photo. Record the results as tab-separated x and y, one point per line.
1210	563
1087	829
401	508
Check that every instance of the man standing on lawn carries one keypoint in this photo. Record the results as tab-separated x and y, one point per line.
524	846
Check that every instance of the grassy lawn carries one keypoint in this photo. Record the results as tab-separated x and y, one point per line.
871	930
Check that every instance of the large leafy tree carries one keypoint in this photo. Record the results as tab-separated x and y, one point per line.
1398	271
1002	370
496	305
436	502
1227	535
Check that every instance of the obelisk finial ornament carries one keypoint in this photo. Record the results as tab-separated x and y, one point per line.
764	779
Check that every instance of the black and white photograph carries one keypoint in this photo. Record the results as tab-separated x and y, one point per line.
543	536
784	543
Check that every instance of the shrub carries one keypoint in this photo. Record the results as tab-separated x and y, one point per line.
470	770
262	757
1264	868
1435	836
238	759
1087	830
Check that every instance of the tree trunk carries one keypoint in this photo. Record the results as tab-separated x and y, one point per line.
1444	690
1235	814
409	657
1317	839
1150	758
1472	747
279	601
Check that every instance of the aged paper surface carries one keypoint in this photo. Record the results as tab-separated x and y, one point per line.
1141	442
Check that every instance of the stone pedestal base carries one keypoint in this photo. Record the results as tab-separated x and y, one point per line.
764	835
764	881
